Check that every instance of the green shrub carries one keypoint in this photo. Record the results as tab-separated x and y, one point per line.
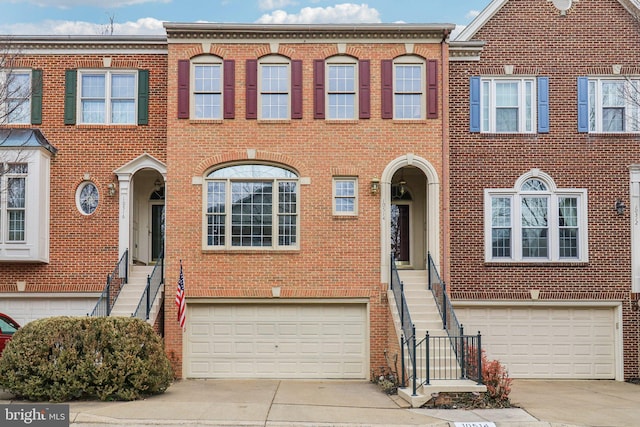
70	358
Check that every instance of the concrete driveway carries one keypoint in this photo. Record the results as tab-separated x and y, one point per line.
583	403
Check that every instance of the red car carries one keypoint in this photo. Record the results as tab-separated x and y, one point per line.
8	327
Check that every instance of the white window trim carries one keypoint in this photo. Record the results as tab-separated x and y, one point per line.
411	60
629	104
206	61
4	113
275	216
522	115
342	60
274	60
355	195
78	194
553	194
107	108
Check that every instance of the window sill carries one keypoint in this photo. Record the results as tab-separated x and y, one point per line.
345	216
341	122
569	264
105	126
274	122
410	121
206	121
260	251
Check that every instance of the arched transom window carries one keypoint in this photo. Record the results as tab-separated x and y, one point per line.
536	222
251	206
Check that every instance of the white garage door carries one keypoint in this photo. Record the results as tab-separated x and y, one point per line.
25	309
276	341
547	342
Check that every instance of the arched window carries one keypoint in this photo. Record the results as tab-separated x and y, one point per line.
251	206
536	222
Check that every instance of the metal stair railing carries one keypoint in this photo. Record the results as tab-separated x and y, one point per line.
154	282
115	281
401	302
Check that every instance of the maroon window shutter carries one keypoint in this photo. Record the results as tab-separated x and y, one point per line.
432	89
183	88
318	89
387	89
229	89
296	89
364	80
252	89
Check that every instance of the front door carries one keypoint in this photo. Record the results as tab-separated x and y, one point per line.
157	226
400	235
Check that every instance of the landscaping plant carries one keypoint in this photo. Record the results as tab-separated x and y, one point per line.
70	358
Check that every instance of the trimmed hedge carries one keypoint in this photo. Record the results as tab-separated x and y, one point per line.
71	358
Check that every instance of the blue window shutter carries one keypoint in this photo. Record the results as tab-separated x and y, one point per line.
474	104
583	104
543	104
71	80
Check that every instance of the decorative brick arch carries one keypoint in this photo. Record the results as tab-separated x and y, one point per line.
252	155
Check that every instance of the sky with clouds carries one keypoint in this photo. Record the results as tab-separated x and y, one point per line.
125	17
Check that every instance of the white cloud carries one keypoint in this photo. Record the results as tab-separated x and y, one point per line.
143	26
340	14
275	4
472	14
66	4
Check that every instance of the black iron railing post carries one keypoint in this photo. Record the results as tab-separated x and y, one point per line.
404	376
428	364
429	269
444	305
413	360
461	354
148	292
479	359
108	294
402	304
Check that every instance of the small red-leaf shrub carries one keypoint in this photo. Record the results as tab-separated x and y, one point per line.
494	375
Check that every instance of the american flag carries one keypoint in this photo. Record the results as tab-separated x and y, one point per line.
180	298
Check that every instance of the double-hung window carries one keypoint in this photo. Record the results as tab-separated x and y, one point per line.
207	90
341	90
535	222
13	180
608	105
118	97
108	97
251	206
274	87
408	88
509	104
345	196
15	107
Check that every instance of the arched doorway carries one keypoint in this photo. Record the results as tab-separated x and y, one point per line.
410	217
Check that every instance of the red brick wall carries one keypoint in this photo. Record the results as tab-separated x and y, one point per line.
84	249
534	38
338	257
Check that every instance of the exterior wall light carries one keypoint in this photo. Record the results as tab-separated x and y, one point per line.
620	207
375	185
111	189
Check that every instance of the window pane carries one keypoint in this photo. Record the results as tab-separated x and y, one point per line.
123	86
534	185
123	111
534	212
16	225
208	106
252	171
408	78
18	97
93	86
613	119
342	106
506	94
528	106
501	212
216	199
19	111
568	223
341	78
592	105
208	78
93	111
275	78
486	96
569	243
16	194
501	242
287	207
535	243
251	213
507	120
407	106
275	106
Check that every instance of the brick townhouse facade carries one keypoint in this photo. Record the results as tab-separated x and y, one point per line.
284	145
544	185
82	154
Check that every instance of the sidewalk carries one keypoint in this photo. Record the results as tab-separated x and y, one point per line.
324	403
